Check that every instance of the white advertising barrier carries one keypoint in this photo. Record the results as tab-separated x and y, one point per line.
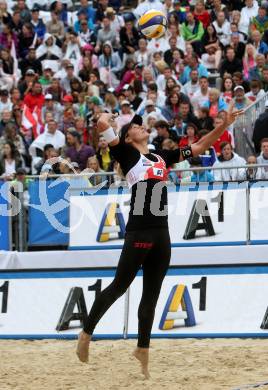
108	258
41	305
259	213
198	215
216	302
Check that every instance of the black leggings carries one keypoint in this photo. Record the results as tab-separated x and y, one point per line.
146	249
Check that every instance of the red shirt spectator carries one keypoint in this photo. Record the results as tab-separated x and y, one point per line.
225	137
190	137
202	14
35	98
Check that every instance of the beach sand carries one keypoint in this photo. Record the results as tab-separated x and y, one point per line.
175	364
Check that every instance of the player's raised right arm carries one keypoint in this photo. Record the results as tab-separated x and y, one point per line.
106	130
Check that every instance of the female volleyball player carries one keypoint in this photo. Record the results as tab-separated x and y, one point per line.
147	243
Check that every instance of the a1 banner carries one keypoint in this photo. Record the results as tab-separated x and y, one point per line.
198	215
208	302
259	212
55	304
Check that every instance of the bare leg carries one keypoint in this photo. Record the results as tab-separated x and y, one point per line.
82	346
142	354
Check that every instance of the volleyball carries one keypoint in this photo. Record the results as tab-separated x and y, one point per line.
153	24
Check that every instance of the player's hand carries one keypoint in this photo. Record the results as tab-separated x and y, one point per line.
105	121
232	114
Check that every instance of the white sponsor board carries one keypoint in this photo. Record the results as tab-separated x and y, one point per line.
226	211
104	258
225	302
33	306
259	212
230	304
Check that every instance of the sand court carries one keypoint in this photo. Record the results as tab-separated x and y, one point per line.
175	365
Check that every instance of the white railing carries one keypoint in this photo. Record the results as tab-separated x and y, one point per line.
244	126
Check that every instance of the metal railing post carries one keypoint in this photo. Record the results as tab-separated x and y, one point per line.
126	313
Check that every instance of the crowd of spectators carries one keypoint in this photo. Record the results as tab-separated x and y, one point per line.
60	67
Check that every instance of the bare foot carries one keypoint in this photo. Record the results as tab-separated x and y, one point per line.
142	355
82	346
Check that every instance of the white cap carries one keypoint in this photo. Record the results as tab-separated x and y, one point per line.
239	87
149	103
125	102
125	87
48	96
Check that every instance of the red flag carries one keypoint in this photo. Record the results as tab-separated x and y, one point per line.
28	121
38	118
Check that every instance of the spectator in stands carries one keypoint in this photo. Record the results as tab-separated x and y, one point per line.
76	151
260	46
262	159
249	59
260	129
106	33
237	45
241	101
264	78
129	38
55	27
205	121
228	159
15	22
192	86
10	160
163	133
222	27
248	12
38	24
256	91
231	63
201	14
5	103
172	106
94	167
6	118
132	97
50	105
110	64
187	116
51	136
215	103
30	62
210	41
193	64
200	176
254	173
192	31
260	22
26	39
227	89
7	36
25	14
239	80
201	95
48	153
191	136
103	154
70	75
168	55
225	137
34	98
49	50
